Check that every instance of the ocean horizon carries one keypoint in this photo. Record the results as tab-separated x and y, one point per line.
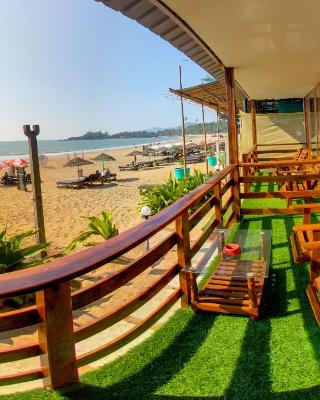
19	148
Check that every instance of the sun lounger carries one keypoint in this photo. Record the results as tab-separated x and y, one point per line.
108	177
76	183
129	167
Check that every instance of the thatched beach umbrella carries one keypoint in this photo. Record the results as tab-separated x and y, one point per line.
134	154
77	162
102	158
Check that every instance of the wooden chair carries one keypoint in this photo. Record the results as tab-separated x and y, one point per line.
305	242
304	188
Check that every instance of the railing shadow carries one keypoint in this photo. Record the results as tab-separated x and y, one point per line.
157	373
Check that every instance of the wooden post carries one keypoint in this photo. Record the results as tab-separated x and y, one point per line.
252	294
233	138
245	159
236	194
36	183
182	125
56	341
231	116
316	111
254	129
218	205
205	139
184	260
306	110
221	243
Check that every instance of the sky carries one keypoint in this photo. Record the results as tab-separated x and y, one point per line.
75	65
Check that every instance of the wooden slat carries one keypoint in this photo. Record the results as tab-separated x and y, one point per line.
268	211
202	211
276	164
314	302
229	220
227	204
19	318
243	288
227	186
94	292
220	300
14	353
201	240
221	293
18	377
131	334
225	309
127	308
278	178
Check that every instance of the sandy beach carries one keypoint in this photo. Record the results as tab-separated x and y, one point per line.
63	207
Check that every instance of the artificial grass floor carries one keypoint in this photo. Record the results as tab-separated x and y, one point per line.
208	356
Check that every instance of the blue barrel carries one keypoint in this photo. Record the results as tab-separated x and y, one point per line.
212	161
179	172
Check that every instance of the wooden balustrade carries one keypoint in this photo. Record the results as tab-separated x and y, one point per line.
217	202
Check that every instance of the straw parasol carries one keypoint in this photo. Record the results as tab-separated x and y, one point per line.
134	154
77	162
102	157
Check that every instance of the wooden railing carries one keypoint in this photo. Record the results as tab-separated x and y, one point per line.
279	151
302	176
53	315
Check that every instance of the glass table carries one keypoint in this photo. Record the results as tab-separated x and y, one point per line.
236	285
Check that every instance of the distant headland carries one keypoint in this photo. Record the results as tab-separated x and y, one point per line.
191	129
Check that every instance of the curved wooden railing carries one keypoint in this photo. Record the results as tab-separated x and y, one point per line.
53	315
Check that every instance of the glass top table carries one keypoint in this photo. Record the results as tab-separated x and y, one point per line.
253	260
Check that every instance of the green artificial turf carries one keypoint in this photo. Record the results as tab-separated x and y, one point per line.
208	356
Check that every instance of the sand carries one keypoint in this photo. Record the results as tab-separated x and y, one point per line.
63	208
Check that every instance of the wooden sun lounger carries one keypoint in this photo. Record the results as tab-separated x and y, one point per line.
129	167
77	183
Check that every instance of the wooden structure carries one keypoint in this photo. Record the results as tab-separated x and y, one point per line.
236	286
305	242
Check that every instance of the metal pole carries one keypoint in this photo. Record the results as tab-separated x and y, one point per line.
182	125
36	183
205	139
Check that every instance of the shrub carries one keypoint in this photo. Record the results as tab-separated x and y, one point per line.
101	227
160	196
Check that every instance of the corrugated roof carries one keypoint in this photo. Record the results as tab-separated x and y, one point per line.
211	94
161	20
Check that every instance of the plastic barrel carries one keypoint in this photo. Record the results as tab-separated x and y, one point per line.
212	161
179	172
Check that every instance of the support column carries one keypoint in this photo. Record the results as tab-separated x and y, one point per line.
231	115
205	139
56	340
233	139
254	129
306	110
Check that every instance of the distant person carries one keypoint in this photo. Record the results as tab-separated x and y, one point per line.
5	178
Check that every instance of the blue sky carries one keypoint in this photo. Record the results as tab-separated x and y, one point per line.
76	65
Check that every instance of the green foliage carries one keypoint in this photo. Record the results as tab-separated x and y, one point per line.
14	256
101	227
160	196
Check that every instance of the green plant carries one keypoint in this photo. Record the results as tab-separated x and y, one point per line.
102	227
160	196
14	256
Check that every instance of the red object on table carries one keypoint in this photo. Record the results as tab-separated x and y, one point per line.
231	249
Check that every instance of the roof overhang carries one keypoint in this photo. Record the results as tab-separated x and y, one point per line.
273	45
212	95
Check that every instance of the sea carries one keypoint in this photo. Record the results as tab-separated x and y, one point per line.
19	148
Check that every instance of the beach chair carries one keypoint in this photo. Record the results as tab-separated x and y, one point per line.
108	177
129	167
89	180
